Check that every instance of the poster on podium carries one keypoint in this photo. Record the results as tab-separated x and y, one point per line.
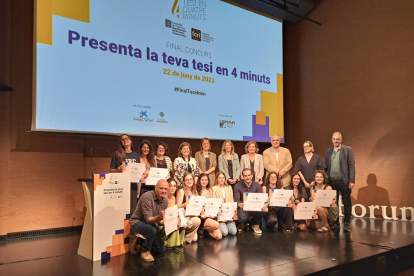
111	215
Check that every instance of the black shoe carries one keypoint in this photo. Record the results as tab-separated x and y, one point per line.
347	227
336	224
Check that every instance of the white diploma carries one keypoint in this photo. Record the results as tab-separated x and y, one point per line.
325	198
156	174
171	219
281	198
195	205
182	219
305	210
136	170
255	202
228	211
211	207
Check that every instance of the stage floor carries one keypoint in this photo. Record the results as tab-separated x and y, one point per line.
374	247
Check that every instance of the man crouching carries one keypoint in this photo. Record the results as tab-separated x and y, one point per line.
148	213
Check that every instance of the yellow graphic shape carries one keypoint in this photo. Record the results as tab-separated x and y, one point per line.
73	9
272	105
175	6
260	118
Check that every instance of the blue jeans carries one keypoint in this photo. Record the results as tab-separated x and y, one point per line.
153	241
244	216
228	228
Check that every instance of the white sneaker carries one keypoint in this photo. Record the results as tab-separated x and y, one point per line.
257	229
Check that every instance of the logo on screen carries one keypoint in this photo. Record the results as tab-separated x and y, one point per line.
143	114
176	8
162	114
226	124
195	34
167	23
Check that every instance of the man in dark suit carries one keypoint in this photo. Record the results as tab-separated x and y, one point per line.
341	171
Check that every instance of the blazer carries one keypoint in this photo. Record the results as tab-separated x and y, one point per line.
285	163
258	165
201	162
223	166
346	163
218	194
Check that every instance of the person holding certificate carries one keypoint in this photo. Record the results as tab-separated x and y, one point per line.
321	180
147	157
247	185
253	161
277	214
208	224
206	160
189	188
147	216
229	163
161	158
307	164
223	190
299	195
126	153
176	238
185	163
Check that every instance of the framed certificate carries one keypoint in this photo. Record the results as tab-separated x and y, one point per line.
305	210
171	219
281	198
325	198
255	202
228	211
211	207
195	205
137	170
155	174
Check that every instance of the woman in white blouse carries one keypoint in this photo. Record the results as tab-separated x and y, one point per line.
253	161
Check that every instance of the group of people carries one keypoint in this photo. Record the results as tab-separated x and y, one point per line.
196	176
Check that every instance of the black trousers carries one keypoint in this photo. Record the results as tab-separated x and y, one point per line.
340	186
245	215
283	214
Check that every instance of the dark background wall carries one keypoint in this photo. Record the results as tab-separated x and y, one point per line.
353	74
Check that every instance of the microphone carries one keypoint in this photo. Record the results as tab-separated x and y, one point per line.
92	163
112	157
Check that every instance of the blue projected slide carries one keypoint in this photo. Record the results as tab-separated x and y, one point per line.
177	68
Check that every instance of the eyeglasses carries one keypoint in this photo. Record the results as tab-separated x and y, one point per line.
125	139
188	180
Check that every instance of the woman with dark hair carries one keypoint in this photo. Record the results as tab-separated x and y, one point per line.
307	164
321	183
299	195
208	224
185	163
281	215
223	190
147	156
126	153
161	158
206	160
189	188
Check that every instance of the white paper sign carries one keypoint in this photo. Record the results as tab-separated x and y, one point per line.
281	198
255	202
305	210
171	218
183	220
136	170
195	205
156	174
325	198
228	211
212	206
